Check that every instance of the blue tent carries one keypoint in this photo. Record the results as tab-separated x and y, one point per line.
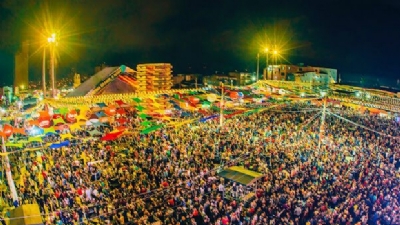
100	114
185	114
208	118
59	145
177	107
101	104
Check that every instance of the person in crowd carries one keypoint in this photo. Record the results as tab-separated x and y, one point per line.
170	176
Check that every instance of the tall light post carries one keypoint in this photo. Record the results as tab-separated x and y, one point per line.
274	54
258	64
52	42
44	72
266	65
221	113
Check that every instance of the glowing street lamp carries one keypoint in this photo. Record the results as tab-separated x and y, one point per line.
267	53
266	65
274	54
52	41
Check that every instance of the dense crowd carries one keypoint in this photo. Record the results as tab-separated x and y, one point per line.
171	175
380	102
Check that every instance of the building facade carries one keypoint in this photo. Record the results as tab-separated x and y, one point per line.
21	67
301	73
232	78
154	76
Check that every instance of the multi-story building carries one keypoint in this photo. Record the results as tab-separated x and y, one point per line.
232	78
21	65
302	73
154	76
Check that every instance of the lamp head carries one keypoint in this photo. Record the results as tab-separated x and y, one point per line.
52	39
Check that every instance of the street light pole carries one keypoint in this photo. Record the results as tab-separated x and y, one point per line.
52	42
52	71
44	72
274	54
221	113
266	71
258	64
266	63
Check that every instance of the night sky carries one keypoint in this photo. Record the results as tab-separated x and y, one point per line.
359	37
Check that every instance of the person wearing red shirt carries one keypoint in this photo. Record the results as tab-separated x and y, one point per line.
171	202
225	220
79	191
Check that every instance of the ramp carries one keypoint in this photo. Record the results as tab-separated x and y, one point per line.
85	88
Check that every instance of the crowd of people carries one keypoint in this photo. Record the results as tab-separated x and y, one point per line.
350	175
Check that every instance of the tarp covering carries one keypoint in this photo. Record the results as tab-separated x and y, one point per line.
101	104
137	100
59	145
94	132
27	214
208	118
111	136
139	108
150	129
17	145
240	175
100	114
50	130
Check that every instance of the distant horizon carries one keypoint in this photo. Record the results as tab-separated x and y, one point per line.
345	76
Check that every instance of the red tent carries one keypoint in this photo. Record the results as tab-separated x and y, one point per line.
112	136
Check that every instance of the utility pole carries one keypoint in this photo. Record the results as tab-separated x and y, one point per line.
221	107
